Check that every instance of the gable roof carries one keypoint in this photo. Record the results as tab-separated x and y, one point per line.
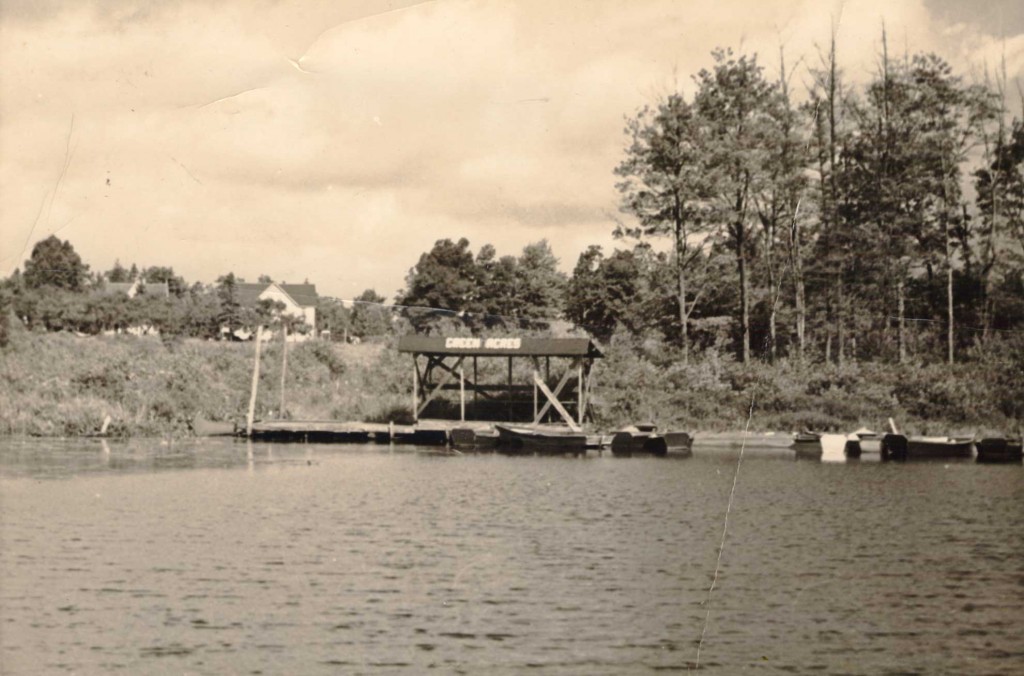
118	287
158	289
303	294
248	293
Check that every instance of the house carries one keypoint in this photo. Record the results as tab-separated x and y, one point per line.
132	289
299	300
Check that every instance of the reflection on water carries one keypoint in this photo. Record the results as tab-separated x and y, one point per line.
214	556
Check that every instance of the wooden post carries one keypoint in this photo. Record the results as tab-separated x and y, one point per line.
536	376
255	383
510	389
579	394
476	385
284	365
462	394
415	386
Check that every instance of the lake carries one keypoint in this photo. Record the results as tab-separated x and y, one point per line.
215	556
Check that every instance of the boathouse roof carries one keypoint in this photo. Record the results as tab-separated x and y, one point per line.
499	347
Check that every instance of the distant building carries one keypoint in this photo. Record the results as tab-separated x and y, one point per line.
132	289
299	299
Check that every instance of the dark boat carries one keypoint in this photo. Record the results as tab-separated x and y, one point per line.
545	440
807	444
1000	449
646	440
901	447
467	438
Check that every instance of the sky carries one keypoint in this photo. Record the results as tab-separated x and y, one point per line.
336	141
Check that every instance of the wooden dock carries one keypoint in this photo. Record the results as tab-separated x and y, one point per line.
424	432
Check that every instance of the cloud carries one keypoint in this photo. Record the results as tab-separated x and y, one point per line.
338	141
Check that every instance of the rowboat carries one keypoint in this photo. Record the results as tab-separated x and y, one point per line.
863	441
1000	449
807	444
901	447
467	438
646	440
546	440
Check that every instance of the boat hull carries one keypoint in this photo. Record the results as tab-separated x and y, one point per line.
464	438
534	440
1000	450
627	444
900	447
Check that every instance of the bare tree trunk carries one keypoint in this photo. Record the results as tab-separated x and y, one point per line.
683	314
680	245
901	337
840	321
801	316
949	306
744	302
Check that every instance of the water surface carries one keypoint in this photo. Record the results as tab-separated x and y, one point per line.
213	556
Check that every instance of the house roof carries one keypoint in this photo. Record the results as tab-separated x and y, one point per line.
303	294
118	287
248	293
158	289
500	347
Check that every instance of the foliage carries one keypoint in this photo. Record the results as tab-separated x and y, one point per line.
369	316
54	263
484	291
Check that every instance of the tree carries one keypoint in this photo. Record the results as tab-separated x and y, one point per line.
664	187
165	275
334	317
778	207
55	264
369	316
444	281
230	311
540	288
117	274
605	293
999	185
737	108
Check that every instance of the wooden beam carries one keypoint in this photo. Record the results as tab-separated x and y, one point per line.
579	395
415	387
553	400
255	383
462	394
445	377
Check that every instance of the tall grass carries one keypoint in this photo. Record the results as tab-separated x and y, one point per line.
61	385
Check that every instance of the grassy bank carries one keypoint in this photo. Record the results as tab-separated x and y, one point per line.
63	385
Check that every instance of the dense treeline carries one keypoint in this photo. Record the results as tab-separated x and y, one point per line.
881	223
57	292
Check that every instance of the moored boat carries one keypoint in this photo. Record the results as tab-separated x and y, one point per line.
863	441
901	447
646	440
807	443
1000	449
546	440
467	438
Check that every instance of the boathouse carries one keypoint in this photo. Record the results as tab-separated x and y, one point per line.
530	366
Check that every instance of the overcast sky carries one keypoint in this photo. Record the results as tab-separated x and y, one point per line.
336	141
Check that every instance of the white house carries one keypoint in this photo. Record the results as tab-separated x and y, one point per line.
299	300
